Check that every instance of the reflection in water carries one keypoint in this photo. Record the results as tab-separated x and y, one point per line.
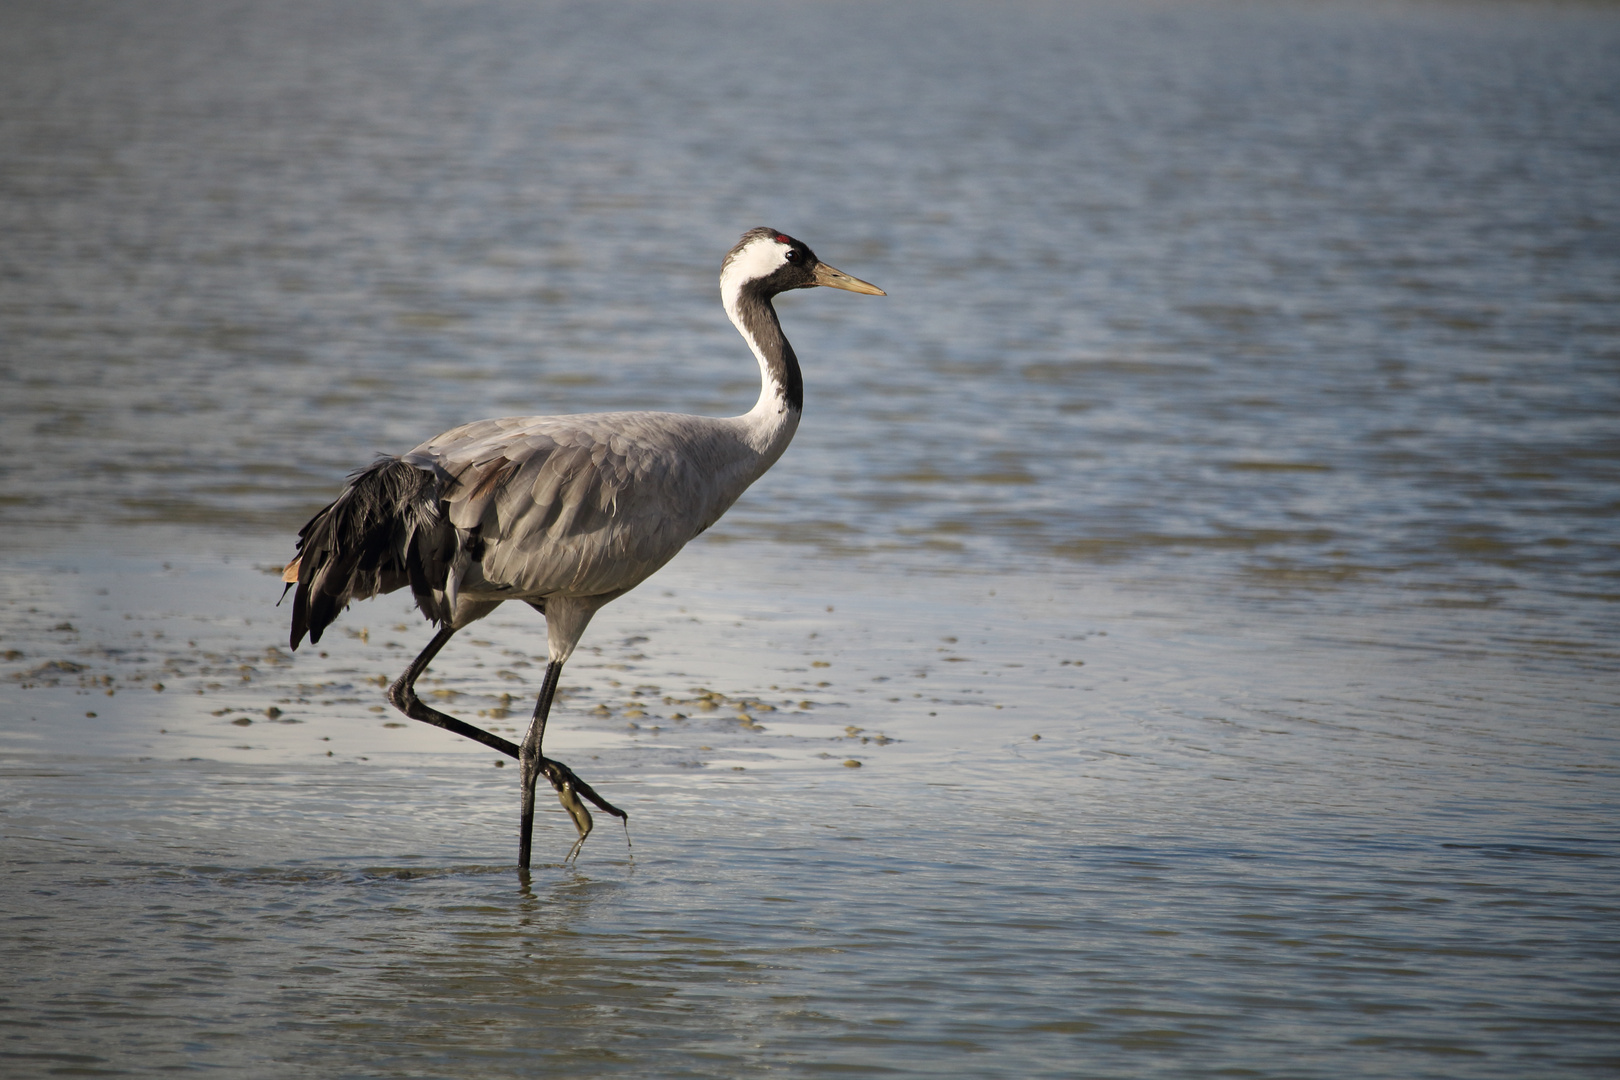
1240	423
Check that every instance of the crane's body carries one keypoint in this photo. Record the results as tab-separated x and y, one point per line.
564	513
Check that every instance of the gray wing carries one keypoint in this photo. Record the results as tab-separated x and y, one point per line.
576	505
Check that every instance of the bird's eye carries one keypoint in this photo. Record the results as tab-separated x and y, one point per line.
795	256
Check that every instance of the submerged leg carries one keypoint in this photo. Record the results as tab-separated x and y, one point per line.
403	697
569	787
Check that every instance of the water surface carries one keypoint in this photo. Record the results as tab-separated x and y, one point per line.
1240	422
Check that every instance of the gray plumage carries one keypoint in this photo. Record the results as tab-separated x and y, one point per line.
564	513
558	511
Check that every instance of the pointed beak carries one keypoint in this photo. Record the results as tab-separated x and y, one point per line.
837	279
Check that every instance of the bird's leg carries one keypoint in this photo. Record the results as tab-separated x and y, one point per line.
402	695
569	787
529	760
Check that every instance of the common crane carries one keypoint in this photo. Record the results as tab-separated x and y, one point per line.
563	513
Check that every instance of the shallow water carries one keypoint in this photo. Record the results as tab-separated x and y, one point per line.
1241	423
1317	844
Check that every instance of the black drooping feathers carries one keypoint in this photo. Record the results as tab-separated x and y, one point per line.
387	530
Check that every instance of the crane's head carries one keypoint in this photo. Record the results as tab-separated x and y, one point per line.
774	262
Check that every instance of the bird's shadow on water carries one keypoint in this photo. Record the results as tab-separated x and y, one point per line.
487	900
539	882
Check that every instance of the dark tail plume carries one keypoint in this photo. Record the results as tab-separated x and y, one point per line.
387	530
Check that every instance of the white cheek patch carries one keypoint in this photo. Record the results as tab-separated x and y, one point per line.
761	258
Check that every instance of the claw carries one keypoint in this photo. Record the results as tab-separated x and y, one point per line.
576	809
565	774
569	788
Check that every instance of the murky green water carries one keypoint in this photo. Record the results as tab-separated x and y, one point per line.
1241	422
